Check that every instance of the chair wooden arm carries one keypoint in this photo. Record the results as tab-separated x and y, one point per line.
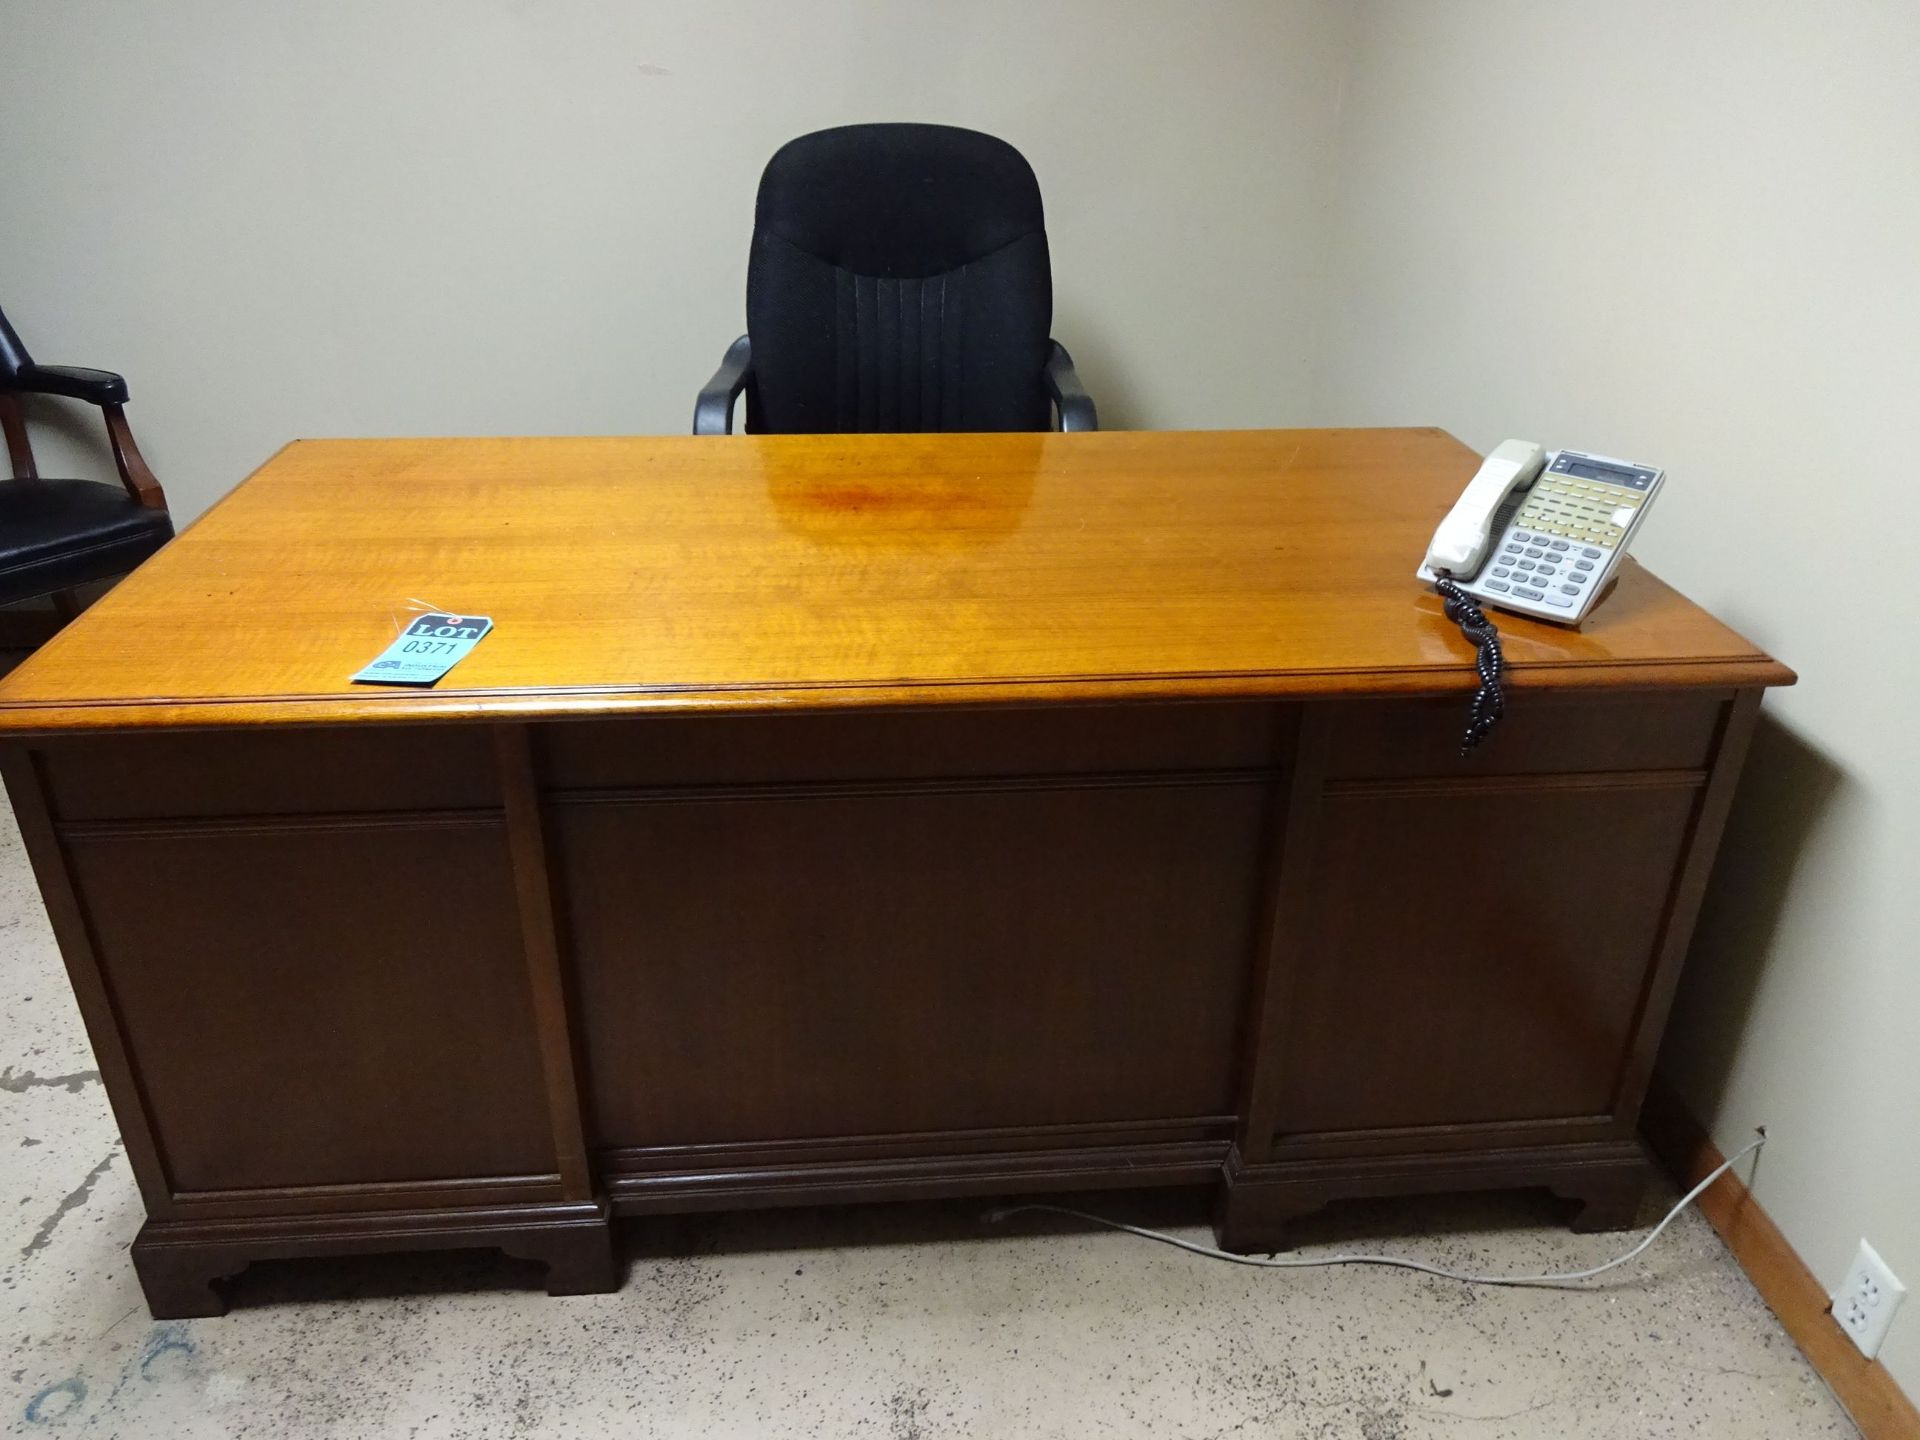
135	473
127	459
19	450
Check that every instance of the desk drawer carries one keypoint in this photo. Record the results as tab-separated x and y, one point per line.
904	745
1540	735
263	773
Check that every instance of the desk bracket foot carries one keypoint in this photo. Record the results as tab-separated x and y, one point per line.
1606	1178
580	1259
179	1280
179	1261
1605	1199
1256	1204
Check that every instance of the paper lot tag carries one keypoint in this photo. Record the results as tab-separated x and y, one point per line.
432	645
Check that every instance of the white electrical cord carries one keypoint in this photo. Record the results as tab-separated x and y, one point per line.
1569	1279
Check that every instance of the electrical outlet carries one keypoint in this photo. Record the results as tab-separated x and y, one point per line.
1865	1302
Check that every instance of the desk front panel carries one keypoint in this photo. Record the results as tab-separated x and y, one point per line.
987	928
915	952
911	961
312	1006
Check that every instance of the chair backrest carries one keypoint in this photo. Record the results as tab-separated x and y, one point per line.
899	281
13	355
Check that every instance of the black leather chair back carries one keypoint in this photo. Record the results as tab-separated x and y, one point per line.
13	355
899	281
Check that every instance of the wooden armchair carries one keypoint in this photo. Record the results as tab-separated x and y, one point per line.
56	535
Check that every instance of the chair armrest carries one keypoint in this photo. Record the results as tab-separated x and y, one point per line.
96	387
132	465
713	410
1069	397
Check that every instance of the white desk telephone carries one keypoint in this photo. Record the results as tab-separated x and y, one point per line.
1541	532
1536	532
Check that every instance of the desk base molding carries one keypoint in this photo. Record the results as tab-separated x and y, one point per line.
1195	1162
1605	1179
179	1262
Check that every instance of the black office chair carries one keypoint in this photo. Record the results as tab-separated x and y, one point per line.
898	281
56	535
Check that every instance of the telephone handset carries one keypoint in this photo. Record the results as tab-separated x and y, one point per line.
1537	532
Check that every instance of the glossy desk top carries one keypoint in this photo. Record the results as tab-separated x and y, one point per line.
681	573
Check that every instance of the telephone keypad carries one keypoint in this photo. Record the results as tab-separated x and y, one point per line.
1577	511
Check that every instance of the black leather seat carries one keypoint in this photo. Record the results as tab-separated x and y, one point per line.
59	534
899	280
55	534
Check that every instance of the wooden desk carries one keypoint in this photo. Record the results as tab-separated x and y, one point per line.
846	818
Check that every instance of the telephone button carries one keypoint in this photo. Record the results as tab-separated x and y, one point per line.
1513	549
1501	572
1578	577
1533	554
1526	564
1523	591
1557	545
1591	554
1569	589
1583	565
1496	584
1521	535
1556	600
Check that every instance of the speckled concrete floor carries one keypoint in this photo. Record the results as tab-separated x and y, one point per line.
905	1321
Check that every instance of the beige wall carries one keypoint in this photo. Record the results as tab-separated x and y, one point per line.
1690	234
503	216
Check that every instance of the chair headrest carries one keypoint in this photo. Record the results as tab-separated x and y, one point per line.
898	200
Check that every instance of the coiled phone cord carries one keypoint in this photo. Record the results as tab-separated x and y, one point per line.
1490	700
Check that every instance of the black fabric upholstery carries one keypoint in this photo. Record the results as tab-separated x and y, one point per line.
899	280
55	534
